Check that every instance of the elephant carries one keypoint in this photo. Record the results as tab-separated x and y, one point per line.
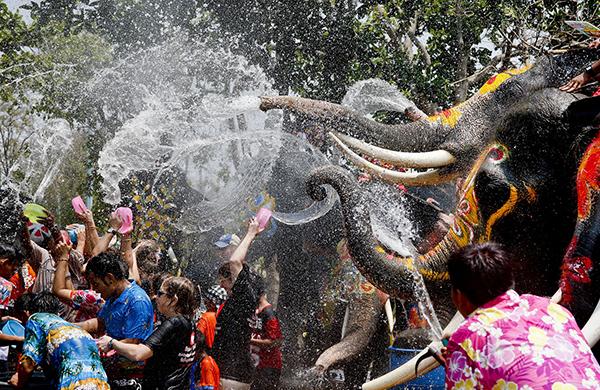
300	268
514	152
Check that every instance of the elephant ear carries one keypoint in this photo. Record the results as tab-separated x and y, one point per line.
584	112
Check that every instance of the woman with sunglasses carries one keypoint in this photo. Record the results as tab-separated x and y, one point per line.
170	349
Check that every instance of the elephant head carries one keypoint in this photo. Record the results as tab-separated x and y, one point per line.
512	149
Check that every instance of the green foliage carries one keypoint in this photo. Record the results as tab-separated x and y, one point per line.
436	51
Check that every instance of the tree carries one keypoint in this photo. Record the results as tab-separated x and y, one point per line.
15	131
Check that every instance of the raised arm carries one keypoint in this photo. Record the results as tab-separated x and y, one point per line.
239	255
91	233
80	232
59	284
129	257
115	223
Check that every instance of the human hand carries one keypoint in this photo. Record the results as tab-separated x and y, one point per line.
48	221
14	380
60	252
6	318
103	342
315	376
595	44
80	233
576	82
87	217
253	227
114	221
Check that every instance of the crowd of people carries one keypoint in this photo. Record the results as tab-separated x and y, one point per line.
100	313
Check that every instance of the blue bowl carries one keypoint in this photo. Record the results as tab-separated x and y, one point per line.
13	328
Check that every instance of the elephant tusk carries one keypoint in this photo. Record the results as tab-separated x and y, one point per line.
434	159
591	330
417	179
557	296
406	372
390	315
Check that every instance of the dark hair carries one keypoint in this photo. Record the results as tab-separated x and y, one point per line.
225	270
157	280
10	253
149	257
481	271
23	303
185	291
44	302
107	263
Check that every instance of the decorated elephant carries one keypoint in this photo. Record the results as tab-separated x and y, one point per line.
515	154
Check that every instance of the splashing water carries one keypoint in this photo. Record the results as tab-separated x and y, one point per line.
369	96
49	143
204	123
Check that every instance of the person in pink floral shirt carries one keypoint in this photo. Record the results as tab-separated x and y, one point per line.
511	341
87	303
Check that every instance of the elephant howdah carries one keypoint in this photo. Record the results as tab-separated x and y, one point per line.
515	154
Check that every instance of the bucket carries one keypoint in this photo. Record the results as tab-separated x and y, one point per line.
433	380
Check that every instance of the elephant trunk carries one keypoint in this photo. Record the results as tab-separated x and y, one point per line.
392	274
362	324
420	136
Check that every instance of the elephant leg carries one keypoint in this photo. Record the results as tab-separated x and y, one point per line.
362	322
579	272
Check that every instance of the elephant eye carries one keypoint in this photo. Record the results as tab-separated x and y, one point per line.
498	153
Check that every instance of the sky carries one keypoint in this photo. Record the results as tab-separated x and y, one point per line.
14	4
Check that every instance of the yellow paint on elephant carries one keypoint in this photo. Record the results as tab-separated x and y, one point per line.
502	211
495	81
448	117
531	192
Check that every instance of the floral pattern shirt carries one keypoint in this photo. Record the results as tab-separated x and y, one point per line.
23	281
6	289
520	342
86	302
67	353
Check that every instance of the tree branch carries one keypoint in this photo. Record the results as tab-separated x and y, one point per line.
420	45
477	76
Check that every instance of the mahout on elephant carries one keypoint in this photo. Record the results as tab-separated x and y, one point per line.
514	151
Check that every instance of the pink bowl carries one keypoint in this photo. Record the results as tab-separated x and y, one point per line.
126	217
263	216
78	205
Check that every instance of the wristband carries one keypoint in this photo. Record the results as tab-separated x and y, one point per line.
590	71
110	343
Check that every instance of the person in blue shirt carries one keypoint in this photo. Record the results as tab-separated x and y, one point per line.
67	353
126	316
